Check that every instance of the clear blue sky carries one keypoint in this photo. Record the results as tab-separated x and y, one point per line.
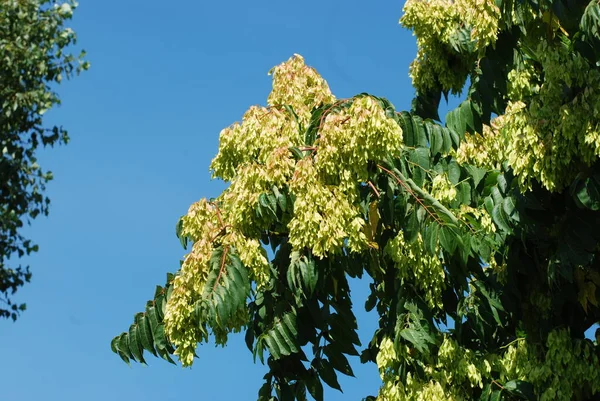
144	121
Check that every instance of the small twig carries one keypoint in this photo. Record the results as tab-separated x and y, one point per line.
411	192
222	268
498	384
374	189
337	103
218	211
512	342
220	232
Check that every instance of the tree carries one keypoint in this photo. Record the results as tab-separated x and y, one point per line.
479	235
33	49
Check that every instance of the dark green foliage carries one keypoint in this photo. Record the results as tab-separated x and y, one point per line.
33	50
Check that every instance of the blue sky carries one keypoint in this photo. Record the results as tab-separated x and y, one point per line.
166	77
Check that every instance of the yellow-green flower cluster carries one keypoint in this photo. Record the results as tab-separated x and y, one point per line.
418	267
387	358
352	137
442	189
262	131
557	369
456	364
454	370
207	226
252	255
566	365
200	224
552	127
325	216
486	149
414	389
480	215
522	82
436	23
300	86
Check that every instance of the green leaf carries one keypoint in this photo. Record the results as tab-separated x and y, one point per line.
282	337
284	346
297	153
461	41
521	389
289	319
501	219
300	391
266	204
159	338
417	335
152	316
338	361
448	239
463	193
449	137
164	354
134	346
309	275
431	237
314	386
590	21
502	183
508	204
145	333
412	228
114	344
328	374
462	119
413	130
178	231
420	156
273	347
496	395
587	193
288	337
453	172
124	350
281	199
476	174
436	138
486	393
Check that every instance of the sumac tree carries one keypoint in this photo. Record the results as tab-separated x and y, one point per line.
479	236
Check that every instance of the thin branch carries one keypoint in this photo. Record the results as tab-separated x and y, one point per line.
498	384
222	268
374	189
411	192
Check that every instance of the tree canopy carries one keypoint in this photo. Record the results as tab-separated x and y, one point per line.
478	236
34	43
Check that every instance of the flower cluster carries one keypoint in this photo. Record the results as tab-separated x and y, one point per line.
418	267
325	216
200	225
556	369
262	131
353	136
440	27
551	125
485	149
442	189
256	156
297	85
